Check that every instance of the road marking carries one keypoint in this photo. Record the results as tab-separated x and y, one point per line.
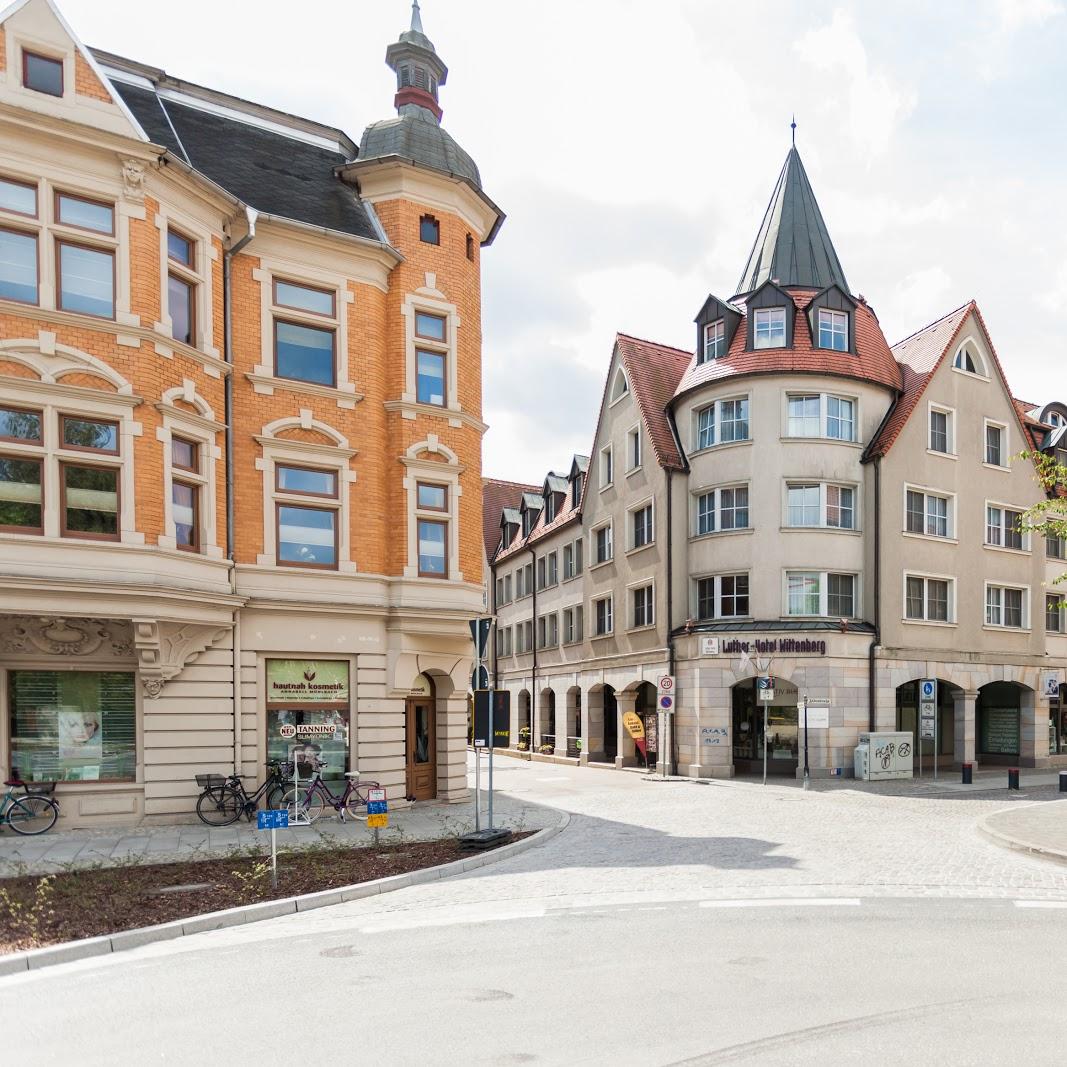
785	902
1040	903
455	917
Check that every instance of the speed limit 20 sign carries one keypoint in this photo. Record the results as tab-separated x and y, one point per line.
665	685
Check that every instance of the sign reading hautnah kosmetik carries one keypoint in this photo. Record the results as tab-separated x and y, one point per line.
307	681
781	646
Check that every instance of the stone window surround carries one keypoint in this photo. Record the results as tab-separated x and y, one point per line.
52	398
1001	584
594	634
204	256
49	180
631	511
203	428
577	614
926	491
336	457
824	417
633	587
633	435
952	584
1020	509
943	409
607	458
857	523
263	379
430	299
609	525
429	470
823	572
1005	445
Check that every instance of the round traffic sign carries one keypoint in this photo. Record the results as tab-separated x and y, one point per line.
666	683
666	703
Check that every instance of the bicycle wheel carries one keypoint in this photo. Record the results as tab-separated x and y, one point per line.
275	798
357	803
312	806
219	807
32	815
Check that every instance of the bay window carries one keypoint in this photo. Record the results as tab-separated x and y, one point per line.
722	509
821	415
85	279
820	593
722	422
722	596
820	505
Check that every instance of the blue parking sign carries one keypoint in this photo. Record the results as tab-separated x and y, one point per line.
272	820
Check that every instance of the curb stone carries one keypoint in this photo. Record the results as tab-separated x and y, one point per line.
1017	844
34	959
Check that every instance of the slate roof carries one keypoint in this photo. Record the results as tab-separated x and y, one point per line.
793	246
872	361
498	496
273	173
654	372
415	134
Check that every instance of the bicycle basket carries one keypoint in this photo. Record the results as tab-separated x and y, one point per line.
41	788
210	781
285	770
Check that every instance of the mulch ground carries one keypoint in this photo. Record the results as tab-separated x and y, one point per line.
37	911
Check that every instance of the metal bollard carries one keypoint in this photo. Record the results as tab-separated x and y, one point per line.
1063	781
967	770
1013	777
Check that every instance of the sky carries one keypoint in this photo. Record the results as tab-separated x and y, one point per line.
634	144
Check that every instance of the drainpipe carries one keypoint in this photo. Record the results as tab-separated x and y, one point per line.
227	355
672	754
876	640
534	696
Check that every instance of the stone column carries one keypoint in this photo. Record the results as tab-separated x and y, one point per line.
583	756
593	726
452	748
535	721
626	753
964	722
1033	729
563	722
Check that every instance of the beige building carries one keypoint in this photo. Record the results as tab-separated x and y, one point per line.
797	500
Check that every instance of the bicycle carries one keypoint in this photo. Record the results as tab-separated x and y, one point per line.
225	800
317	794
34	812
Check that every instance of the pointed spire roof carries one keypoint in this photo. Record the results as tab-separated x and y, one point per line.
793	246
416	17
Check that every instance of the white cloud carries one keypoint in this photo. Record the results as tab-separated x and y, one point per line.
1017	14
876	106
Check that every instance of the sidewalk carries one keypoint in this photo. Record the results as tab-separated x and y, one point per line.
115	846
1040	828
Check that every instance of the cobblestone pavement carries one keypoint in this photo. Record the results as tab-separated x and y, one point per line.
114	846
1038	827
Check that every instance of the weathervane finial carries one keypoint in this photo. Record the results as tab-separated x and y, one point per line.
793	127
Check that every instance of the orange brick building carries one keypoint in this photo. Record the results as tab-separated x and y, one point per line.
240	431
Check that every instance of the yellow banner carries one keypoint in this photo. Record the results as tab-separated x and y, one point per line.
379	821
634	726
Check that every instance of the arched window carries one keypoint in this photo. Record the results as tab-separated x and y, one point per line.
470	247
621	386
967	359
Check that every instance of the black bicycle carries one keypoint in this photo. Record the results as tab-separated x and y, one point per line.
225	800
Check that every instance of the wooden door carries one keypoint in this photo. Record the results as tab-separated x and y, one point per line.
421	734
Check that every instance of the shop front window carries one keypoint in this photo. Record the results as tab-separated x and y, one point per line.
73	726
309	716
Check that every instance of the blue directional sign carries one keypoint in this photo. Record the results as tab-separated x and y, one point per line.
272	820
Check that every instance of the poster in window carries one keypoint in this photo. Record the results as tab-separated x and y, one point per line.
81	748
305	737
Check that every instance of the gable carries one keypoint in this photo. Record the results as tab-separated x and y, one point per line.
37	27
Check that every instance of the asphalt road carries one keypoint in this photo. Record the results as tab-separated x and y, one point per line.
670	923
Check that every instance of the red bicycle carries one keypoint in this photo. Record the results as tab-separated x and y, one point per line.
312	799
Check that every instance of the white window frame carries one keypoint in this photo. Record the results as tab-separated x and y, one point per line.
950	429
823	524
548	630
634	449
572	625
1003	528
717	441
621	379
1005	445
609	526
764	315
714	338
981	369
823	417
824	593
716	580
609	600
715	492
926	578
607	468
631	591
833	315
419	469
1061	612
1025	612
926	492
631	512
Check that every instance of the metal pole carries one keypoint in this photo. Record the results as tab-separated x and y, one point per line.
490	775
273	858
764	742
477	789
807	771
936	717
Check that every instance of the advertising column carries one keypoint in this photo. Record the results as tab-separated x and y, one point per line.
309	714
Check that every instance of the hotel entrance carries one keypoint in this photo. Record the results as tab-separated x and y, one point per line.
782	733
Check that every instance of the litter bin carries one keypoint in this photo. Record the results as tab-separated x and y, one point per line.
968	771
1063	781
1013	777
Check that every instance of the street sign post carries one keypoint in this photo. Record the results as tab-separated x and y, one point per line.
665	701
273	820
377	812
765	688
928	718
480	629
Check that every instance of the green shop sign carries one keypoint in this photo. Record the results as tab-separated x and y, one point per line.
300	681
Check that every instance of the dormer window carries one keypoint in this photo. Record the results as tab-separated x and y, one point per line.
968	360
833	330
714	340
770	328
621	386
576	490
527	523
550	507
42	74
1055	419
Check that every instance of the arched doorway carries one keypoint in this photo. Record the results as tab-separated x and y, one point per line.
998	721
908	720
546	743
782	729
645	706
574	722
525	732
421	736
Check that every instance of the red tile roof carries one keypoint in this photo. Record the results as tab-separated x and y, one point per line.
654	372
497	495
541	529
871	362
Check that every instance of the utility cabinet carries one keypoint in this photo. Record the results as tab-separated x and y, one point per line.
880	756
